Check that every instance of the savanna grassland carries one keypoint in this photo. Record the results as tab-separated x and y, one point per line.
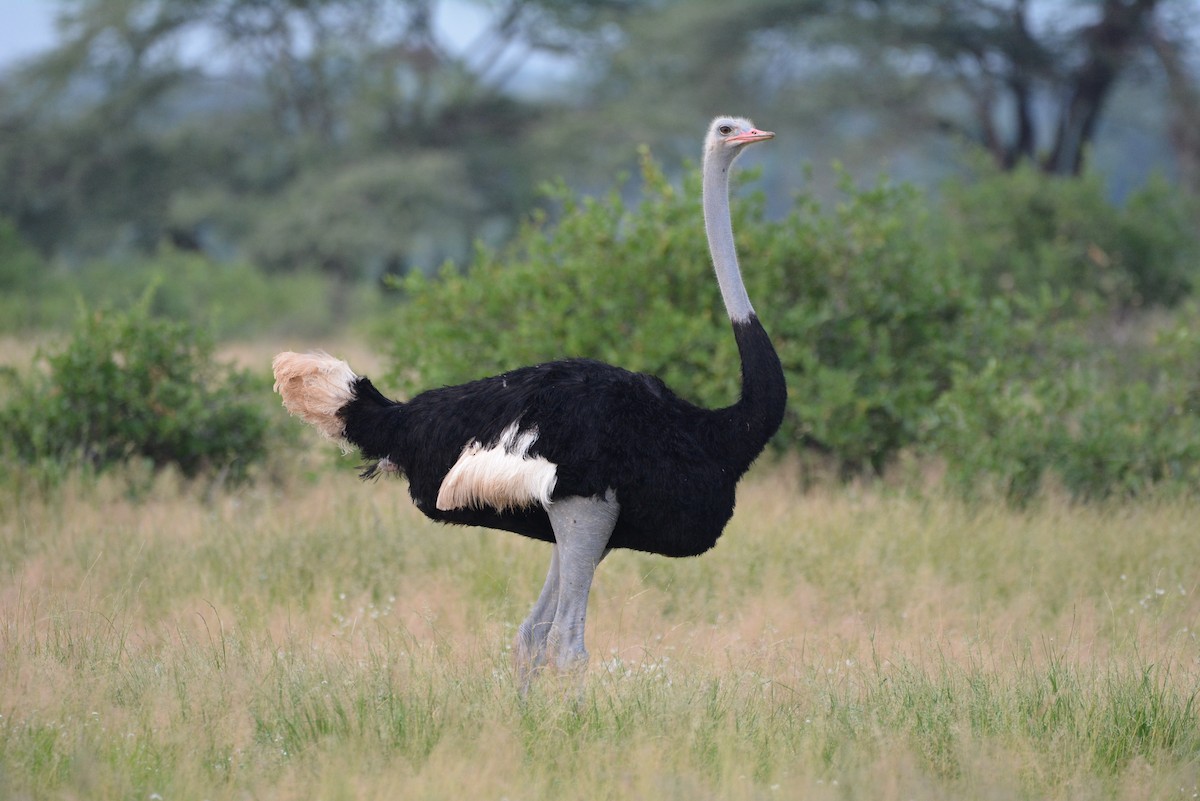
310	636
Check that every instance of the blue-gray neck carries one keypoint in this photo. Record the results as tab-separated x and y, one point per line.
719	228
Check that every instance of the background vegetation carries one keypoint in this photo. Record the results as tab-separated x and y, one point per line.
293	168
130	386
965	570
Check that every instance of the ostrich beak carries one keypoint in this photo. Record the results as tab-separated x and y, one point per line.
752	135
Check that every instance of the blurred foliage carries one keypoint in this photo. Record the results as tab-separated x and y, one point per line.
1101	422
553	293
1024	231
133	386
266	163
367	217
233	300
370	137
347	136
892	323
864	314
21	278
1028	81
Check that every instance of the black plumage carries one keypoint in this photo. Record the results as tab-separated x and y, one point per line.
672	464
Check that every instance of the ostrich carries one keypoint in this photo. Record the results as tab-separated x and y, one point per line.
577	453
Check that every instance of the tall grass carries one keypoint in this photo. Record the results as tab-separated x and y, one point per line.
316	638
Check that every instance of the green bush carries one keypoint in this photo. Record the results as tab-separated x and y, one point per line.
866	317
1024	231
128	385
633	289
22	274
1047	391
1100	422
232	299
976	329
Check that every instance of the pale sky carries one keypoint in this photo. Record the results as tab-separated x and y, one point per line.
26	27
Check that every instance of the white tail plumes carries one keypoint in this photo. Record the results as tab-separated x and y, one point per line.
314	387
502	476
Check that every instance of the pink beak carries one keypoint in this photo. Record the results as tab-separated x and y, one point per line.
752	135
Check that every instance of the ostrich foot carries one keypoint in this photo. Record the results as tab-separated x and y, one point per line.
529	652
552	635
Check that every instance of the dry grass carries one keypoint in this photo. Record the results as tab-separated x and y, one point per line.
17	353
316	638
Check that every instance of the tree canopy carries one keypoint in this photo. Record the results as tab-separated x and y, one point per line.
363	137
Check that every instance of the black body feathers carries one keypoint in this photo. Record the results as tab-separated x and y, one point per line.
673	466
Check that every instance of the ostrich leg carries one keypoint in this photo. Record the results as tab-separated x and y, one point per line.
582	528
530	650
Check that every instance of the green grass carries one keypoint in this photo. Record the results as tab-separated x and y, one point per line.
316	638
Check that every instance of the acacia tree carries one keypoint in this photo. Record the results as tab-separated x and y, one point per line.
1183	82
1007	64
203	120
1029	80
79	166
283	128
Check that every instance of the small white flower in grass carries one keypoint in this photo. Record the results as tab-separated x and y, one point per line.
155	797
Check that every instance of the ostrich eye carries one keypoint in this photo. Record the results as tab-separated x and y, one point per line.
725	130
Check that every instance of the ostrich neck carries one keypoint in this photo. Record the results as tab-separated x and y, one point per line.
745	427
719	228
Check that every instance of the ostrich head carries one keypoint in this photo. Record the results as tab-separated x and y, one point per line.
727	136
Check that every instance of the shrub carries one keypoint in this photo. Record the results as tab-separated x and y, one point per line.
232	299
21	276
865	315
1100	424
604	282
976	329
128	385
868	317
1024	231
